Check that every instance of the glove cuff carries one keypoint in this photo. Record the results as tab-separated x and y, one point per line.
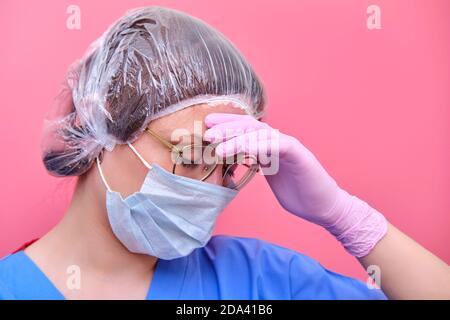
359	227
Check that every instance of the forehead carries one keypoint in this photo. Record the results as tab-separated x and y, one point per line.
191	116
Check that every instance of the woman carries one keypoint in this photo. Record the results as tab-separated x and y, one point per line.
160	121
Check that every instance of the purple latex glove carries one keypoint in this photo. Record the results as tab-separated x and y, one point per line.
298	180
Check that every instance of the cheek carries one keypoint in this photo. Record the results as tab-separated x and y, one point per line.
123	171
153	153
164	159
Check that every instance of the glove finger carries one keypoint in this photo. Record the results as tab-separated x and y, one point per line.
224	131
256	143
220	117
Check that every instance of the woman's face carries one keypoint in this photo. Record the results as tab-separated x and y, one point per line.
125	172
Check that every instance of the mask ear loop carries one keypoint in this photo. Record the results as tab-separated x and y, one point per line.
101	174
149	167
97	159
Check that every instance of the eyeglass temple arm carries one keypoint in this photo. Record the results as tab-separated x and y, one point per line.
162	140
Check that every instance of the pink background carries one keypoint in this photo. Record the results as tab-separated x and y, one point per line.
372	105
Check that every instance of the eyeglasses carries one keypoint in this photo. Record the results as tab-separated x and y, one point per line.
199	161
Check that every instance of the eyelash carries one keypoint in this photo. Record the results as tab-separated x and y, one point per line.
224	168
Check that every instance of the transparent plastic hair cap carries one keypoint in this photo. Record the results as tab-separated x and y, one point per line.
151	62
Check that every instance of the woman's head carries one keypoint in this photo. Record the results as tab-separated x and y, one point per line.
125	172
144	71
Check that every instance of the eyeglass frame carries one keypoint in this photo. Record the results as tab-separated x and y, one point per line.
254	168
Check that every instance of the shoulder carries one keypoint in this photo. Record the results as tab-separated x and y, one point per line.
252	265
9	264
279	272
9	273
252	250
256	255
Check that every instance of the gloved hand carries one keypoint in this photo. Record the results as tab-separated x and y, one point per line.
299	182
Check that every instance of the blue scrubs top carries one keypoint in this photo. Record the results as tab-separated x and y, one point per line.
227	268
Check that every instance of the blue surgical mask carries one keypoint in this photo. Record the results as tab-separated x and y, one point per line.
169	216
